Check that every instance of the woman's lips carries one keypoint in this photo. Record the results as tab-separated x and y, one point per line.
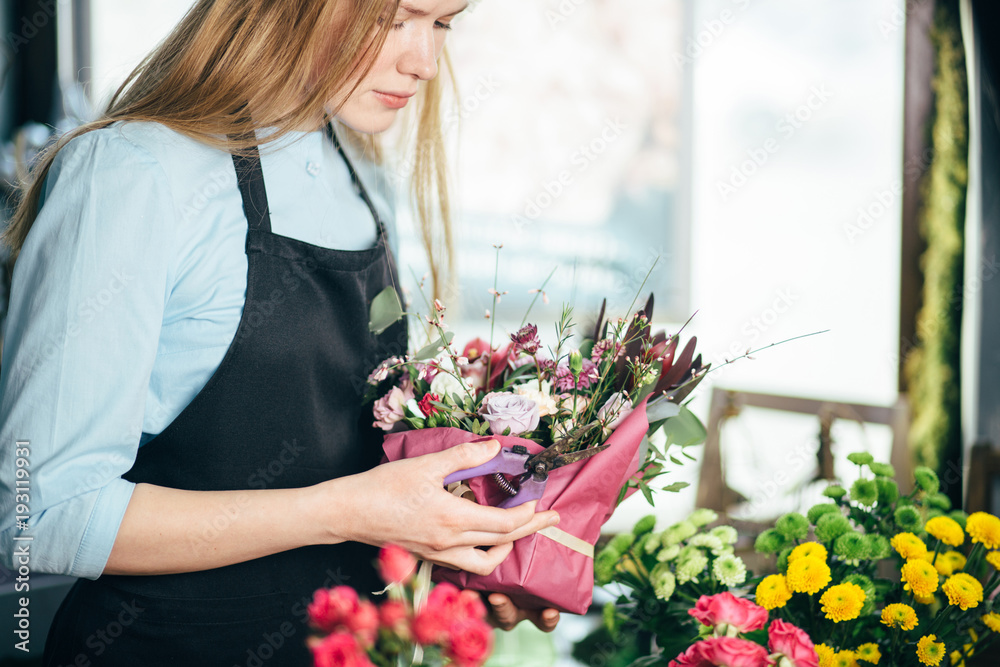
393	100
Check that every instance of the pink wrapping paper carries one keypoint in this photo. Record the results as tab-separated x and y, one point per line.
539	572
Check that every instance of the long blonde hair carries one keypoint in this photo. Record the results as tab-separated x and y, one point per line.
228	56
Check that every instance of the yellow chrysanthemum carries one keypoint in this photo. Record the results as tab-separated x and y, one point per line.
908	545
868	653
899	616
930	652
963	590
945	529
920	577
993	558
992	621
808	549
807	574
844	659
958	657
924	599
842	602
772	592
825	654
984	528
948	562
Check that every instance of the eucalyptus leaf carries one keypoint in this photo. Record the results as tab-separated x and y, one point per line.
660	410
676	486
432	350
685	430
385	311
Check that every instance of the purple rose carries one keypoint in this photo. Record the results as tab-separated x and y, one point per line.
503	411
388	410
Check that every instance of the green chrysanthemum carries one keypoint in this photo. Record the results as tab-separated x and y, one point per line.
816	511
959	517
831	526
868	587
727	534
653	543
888	490
644	525
678	532
908	518
667	554
690	568
783	559
927	479
710	542
640	543
865	492
604	567
878	546
835	491
663	581
882	469
610	617
702	517
860	458
793	525
770	542
621	542
938	501
730	570
851	546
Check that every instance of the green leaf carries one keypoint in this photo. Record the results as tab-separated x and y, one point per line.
385	311
432	350
676	461
676	486
647	493
685	430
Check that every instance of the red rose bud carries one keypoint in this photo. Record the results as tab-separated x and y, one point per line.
469	642
339	650
332	607
364	623
427	406
395	564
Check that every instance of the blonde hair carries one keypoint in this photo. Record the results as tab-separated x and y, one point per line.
228	56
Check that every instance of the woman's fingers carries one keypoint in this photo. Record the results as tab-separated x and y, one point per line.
470	559
505	614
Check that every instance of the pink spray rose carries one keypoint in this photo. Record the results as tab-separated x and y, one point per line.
364	623
735	652
339	650
388	410
470	641
694	656
502	411
395	564
725	609
332	607
793	643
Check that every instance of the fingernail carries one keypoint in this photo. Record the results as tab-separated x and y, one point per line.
554	520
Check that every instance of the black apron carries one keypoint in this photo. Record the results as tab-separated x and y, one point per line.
283	410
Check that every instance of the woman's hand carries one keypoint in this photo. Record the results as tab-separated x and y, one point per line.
504	614
404	502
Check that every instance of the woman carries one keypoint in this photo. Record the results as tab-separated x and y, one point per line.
187	336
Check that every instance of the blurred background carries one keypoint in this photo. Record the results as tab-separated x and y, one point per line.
772	167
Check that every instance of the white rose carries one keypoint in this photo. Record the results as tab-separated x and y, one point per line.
446	384
543	397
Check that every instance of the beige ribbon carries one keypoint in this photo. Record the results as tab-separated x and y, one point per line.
560	536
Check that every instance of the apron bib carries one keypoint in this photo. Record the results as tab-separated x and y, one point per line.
283	410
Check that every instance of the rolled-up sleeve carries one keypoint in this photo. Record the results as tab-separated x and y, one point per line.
87	304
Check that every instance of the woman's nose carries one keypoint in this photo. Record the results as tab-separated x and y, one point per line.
420	55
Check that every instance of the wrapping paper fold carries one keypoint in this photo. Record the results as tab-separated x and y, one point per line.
540	572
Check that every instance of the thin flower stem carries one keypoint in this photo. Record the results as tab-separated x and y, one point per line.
493	319
540	291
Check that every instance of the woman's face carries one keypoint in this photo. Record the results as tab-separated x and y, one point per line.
409	57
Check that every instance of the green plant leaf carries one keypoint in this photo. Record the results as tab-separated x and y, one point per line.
432	350
685	430
385	311
676	486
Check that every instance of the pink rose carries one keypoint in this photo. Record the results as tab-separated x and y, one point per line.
435	618
388	410
394	616
509	411
793	643
339	650
470	641
735	652
693	657
395	564
364	623
725	609
471	605
332	607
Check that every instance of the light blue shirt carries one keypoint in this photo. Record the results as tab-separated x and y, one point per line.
125	298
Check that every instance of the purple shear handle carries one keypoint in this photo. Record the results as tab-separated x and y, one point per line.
507	462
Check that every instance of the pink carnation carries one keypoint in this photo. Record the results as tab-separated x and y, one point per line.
588	376
727	609
793	643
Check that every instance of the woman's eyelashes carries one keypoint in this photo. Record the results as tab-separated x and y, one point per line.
402	24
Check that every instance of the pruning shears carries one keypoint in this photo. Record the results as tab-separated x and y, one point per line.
530	472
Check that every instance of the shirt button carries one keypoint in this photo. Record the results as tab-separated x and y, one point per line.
313	168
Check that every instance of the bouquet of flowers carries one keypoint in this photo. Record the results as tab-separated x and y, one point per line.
411	627
886	579
608	394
